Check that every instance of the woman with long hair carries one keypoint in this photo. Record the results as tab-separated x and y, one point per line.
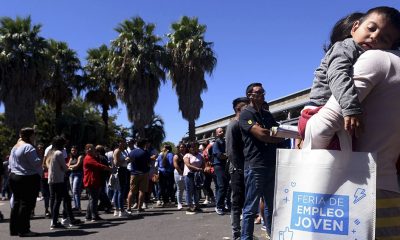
165	162
75	165
193	163
57	168
179	166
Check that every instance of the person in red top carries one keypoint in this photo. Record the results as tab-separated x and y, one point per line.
92	181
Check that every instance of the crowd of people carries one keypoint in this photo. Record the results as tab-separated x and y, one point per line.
242	162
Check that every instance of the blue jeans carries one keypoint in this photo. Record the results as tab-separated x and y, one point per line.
191	192
222	186
258	182
75	180
180	186
238	191
91	211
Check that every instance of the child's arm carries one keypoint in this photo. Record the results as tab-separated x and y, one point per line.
339	76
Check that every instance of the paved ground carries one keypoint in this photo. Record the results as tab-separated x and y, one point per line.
155	223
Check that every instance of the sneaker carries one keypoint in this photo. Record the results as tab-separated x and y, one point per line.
140	210
159	204
65	221
97	219
123	214
135	206
144	205
75	222
116	213
219	211
179	206
206	202
263	228
198	209
190	211
47	214
56	226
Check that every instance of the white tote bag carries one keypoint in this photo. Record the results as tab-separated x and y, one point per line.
324	195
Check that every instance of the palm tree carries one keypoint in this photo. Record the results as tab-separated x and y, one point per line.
190	57
64	66
155	131
100	85
23	70
137	64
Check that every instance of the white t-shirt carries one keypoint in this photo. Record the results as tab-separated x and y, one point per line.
195	160
64	151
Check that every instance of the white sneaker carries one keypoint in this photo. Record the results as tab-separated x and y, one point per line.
159	203
65	221
179	206
267	237
116	213
123	214
135	206
144	205
206	202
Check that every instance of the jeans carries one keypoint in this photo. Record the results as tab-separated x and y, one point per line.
191	192
167	186
45	192
180	186
119	195
222	186
75	180
208	192
4	188
238	191
25	190
259	182
57	191
91	212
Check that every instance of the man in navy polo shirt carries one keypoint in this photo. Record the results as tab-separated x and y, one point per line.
219	163
140	167
260	159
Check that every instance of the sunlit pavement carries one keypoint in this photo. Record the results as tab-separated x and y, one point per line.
155	223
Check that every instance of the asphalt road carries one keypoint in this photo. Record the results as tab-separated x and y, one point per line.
154	223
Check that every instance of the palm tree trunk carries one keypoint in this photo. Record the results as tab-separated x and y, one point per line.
58	117
192	130
104	116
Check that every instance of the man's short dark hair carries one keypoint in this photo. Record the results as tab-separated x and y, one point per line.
249	88
142	142
58	142
239	100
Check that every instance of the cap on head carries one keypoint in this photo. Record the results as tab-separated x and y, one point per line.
236	101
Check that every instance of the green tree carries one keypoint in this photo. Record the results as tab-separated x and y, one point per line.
137	64
155	131
82	124
7	138
190	57
100	84
23	70
64	66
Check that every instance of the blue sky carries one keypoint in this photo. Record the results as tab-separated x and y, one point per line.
277	43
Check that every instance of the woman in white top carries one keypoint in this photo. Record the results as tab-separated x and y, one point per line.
193	163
